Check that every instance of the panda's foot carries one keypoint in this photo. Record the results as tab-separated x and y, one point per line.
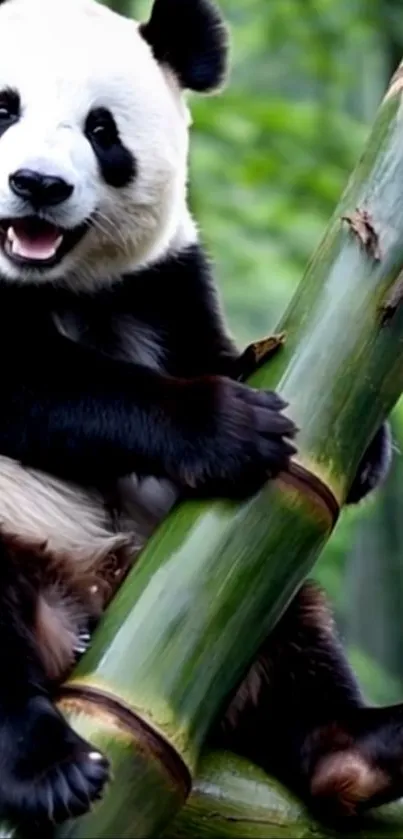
48	773
357	764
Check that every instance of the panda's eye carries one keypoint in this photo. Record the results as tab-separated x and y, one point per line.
9	107
116	162
100	128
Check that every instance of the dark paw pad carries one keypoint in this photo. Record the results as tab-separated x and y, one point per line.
49	773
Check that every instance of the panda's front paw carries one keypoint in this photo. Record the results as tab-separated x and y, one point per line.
48	772
374	466
242	439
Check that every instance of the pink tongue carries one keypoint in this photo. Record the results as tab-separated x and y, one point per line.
40	245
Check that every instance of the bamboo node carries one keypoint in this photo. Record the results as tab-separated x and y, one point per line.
86	699
306	482
361	225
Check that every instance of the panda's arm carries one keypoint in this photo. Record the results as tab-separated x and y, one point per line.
202	346
376	462
84	416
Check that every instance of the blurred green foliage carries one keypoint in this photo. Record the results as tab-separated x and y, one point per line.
270	157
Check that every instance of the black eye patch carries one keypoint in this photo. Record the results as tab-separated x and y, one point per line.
117	164
10	108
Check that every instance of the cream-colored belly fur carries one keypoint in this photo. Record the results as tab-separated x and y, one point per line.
71	528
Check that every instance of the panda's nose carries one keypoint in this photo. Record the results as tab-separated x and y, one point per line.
39	189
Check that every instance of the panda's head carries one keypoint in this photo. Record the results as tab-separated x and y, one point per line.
94	134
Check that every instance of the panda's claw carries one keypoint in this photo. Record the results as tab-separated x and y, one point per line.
50	773
82	643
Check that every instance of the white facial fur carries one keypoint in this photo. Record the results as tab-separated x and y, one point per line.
65	57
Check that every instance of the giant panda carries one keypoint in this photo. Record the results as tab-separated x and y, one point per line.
121	392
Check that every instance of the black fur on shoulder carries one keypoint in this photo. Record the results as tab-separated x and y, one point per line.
190	37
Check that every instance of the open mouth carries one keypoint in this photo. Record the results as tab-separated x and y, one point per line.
36	242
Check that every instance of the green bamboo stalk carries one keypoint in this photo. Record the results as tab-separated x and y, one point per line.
233	799
216	576
181	641
123	7
169	651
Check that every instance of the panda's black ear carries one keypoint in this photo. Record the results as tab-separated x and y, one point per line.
191	38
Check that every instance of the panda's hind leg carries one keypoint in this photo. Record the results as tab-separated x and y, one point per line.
300	715
48	773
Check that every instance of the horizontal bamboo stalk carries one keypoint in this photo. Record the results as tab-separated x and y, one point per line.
232	799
